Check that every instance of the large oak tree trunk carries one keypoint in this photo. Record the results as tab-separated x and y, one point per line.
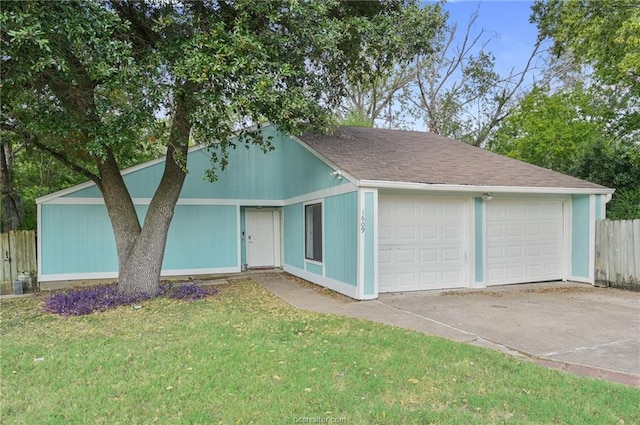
12	208
141	249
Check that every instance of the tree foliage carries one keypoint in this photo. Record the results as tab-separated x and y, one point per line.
452	87
603	34
603	41
390	46
550	130
83	82
458	92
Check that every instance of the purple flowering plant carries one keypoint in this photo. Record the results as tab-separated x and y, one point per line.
82	301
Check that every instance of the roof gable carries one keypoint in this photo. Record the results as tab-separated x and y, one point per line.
421	157
291	169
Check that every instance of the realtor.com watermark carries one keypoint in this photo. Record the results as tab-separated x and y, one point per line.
318	420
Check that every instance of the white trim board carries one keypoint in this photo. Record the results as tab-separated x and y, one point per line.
480	189
335	285
114	275
324	193
181	201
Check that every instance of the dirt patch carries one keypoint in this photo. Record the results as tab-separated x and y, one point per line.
465	293
557	290
529	290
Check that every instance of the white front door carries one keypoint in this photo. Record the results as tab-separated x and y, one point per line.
524	241
262	238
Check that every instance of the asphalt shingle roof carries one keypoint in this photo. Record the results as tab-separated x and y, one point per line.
421	157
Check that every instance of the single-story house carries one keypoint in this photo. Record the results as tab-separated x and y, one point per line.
362	212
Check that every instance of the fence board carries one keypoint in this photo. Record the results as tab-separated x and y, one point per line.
617	261
18	251
4	251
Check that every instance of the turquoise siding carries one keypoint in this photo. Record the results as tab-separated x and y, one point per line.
209	236
313	268
368	219
88	245
599	207
340	237
580	236
250	174
479	239
305	173
77	239
293	236
202	236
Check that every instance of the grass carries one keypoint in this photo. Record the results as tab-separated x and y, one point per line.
244	357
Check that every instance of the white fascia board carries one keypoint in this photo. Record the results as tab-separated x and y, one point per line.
320	194
328	163
182	201
383	184
47	198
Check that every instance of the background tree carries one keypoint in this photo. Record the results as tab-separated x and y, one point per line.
586	126
389	46
551	130
11	205
81	80
602	34
458	92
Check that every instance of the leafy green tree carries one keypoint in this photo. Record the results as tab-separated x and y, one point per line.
550	130
604	38
81	80
603	34
571	131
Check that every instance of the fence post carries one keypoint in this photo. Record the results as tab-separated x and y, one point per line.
18	252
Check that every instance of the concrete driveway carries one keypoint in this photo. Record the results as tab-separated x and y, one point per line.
562	322
564	325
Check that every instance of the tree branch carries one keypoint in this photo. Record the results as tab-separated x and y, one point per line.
29	139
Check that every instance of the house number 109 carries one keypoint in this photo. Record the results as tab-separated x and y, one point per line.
363	226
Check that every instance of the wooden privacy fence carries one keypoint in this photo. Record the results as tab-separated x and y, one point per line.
18	250
618	253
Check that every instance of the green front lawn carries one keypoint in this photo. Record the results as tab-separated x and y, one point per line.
244	356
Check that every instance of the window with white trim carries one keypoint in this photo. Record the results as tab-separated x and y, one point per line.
313	232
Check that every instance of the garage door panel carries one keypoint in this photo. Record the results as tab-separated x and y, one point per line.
534	250
514	252
431	254
406	234
428	232
524	241
385	234
428	255
454	255
406	256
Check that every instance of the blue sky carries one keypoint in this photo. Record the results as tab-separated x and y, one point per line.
508	20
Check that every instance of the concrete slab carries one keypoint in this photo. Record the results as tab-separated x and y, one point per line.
575	327
569	322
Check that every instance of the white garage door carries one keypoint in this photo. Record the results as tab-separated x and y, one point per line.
421	243
524	241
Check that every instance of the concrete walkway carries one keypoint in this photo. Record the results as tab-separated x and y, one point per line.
397	310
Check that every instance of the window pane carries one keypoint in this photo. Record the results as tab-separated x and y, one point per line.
313	232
